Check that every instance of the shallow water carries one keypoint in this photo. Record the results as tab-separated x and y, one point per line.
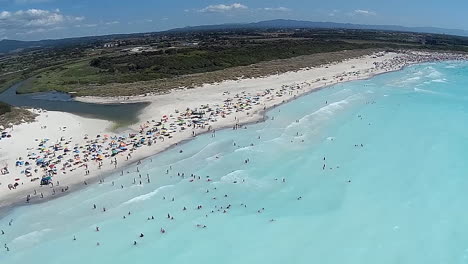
121	114
398	198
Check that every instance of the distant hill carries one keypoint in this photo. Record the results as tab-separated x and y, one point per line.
288	24
7	46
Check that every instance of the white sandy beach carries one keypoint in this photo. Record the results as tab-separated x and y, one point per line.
64	127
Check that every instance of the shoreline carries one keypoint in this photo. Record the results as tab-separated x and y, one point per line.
256	116
77	187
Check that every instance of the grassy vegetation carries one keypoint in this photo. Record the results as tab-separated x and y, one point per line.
8	80
251	71
129	68
4	108
10	116
60	77
17	67
169	62
205	59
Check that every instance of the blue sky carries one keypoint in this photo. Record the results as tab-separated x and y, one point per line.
39	19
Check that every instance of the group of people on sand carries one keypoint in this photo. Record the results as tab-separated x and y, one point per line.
50	159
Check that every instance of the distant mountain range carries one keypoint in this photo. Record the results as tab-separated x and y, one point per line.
7	46
288	24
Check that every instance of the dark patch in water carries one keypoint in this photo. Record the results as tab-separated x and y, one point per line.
122	114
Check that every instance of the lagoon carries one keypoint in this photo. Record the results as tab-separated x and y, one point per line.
123	114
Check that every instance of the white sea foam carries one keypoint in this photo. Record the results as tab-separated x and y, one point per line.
427	91
280	139
440	80
233	176
146	196
433	73
325	112
243	149
411	79
205	150
32	237
240	177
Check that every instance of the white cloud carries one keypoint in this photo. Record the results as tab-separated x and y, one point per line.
38	17
38	30
223	8
5	15
364	12
31	1
334	12
141	21
112	23
277	9
34	21
86	25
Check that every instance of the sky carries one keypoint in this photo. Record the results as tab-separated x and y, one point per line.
52	19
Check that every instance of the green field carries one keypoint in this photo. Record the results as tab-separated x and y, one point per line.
129	68
13	115
168	62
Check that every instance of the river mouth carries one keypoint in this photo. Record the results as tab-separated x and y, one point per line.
121	114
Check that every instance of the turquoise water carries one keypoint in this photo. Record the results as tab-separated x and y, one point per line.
399	198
